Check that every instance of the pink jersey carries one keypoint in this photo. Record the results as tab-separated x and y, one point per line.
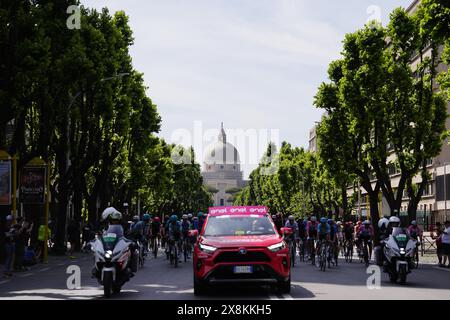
369	230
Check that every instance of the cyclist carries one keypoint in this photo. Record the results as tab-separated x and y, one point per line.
200	222
311	236
294	236
302	235
175	234
365	235
190	218
155	231
278	222
323	233
340	234
333	240
165	231
414	231
146	218
137	229
185	227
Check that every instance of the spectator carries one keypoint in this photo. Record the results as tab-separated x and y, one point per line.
41	241
23	235
73	233
446	244
88	235
9	246
438	238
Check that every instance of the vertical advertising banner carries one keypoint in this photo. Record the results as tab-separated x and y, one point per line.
32	185
5	183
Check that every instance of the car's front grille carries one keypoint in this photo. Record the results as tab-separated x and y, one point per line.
235	256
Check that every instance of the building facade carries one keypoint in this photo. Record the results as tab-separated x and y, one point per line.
222	170
435	203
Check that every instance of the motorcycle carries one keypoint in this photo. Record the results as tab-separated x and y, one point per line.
398	253
114	265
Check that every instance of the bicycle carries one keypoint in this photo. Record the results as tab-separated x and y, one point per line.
301	250
348	250
186	248
155	246
322	253
312	251
292	249
415	257
365	251
173	252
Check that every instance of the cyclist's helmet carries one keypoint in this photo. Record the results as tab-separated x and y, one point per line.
157	219
383	222
291	218
366	222
330	221
200	214
313	219
190	216
305	220
414	223
184	216
146	217
323	220
173	218
274	216
394	221
136	218
339	223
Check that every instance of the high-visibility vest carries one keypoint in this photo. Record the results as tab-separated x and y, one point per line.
41	235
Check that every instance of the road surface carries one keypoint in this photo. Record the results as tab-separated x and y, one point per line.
158	280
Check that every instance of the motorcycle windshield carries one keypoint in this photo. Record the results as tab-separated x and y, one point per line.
400	237
109	241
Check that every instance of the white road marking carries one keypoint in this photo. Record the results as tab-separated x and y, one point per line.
6	281
45	269
26	274
61	264
439	268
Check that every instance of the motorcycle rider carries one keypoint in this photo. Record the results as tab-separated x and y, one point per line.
114	219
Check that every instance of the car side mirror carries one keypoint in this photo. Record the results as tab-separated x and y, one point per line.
193	233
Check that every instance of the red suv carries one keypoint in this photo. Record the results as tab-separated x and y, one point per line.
240	245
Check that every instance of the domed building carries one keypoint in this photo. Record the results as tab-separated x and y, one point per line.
222	169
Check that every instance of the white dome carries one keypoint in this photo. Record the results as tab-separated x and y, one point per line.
221	153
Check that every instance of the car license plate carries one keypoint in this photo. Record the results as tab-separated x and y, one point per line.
243	269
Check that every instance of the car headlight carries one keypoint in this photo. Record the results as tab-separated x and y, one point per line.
277	247
207	249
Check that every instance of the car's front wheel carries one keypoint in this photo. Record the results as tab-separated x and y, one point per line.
199	286
285	286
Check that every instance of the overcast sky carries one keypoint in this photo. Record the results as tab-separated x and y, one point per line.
253	64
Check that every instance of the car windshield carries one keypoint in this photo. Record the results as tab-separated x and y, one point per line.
227	225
